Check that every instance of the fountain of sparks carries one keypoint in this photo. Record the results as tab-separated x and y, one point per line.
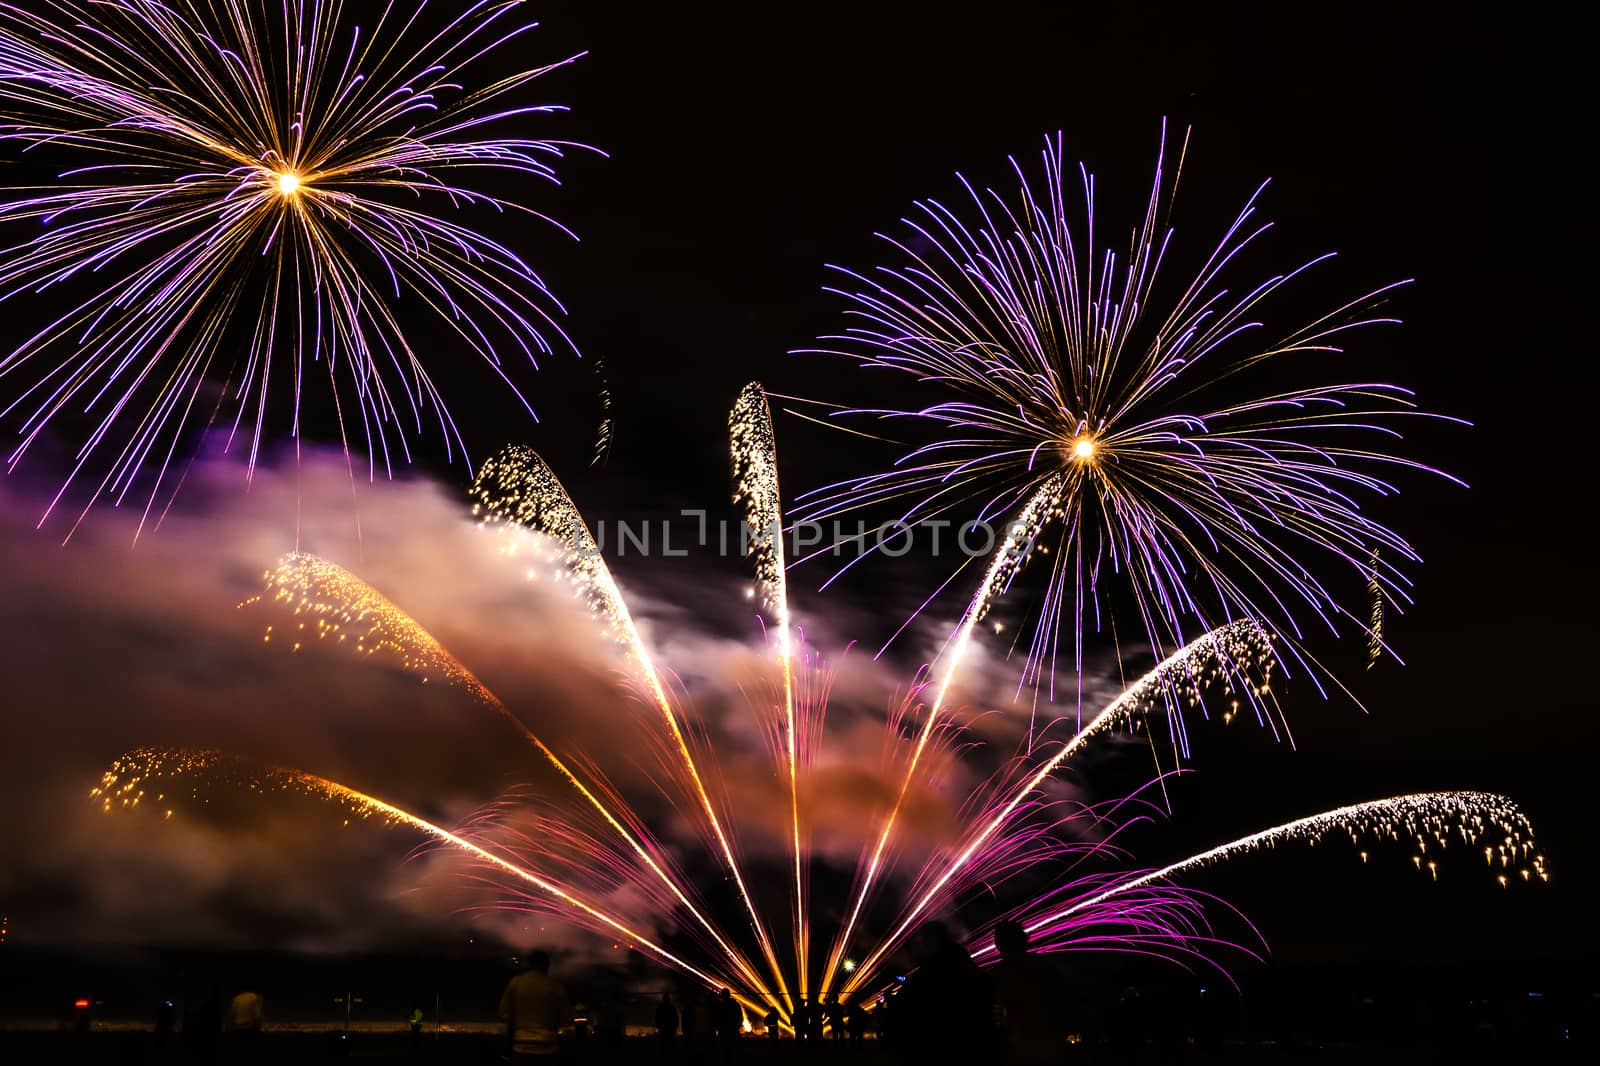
595	837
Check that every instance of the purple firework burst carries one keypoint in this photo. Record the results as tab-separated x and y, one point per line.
1125	420
256	192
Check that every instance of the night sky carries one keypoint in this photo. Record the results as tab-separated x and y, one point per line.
748	148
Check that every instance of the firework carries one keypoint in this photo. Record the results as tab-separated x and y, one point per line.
519	488
1375	624
607	427
1222	658
328	602
132	775
755	476
1008	558
1174	483
1427	819
337	605
252	191
594	857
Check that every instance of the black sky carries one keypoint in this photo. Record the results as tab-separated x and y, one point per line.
751	144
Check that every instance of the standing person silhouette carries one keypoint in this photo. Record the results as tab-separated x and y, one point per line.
666	1025
730	1023
1031	1000
858	1023
534	1007
244	1024
944	1010
165	1017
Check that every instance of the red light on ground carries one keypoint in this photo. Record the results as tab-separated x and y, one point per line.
81	1004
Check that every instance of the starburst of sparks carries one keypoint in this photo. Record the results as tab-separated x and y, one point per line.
595	860
1180	486
256	193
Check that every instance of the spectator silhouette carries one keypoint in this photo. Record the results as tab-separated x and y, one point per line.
771	1021
858	1023
610	1022
1030	998
802	1020
165	1016
202	1026
1124	1021
832	1018
730	1019
244	1024
943	1012
666	1024
534	1007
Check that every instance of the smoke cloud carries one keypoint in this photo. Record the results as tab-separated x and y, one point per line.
116	642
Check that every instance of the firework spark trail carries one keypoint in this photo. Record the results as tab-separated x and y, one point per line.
1375	625
1164	921
271	183
1227	649
336	604
755	474
519	488
339	604
1008	559
606	430
1209	508
121	785
1426	816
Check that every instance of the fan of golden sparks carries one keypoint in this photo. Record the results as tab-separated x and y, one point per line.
599	839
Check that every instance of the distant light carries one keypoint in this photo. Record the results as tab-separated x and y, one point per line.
849	965
288	183
81	1004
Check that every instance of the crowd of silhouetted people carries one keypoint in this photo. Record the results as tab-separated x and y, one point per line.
944	1009
947	1009
1017	1008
